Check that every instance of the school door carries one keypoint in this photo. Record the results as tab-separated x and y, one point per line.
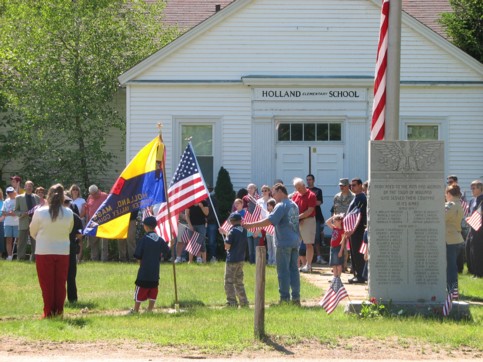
324	162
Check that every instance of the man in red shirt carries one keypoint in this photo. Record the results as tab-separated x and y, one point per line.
306	200
95	199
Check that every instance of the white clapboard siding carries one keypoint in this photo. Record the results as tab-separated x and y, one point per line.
320	37
460	111
229	105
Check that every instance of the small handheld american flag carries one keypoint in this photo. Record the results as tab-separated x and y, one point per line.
334	295
351	220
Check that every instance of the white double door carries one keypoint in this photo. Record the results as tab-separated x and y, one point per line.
325	162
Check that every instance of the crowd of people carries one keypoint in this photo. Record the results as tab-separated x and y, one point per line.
52	224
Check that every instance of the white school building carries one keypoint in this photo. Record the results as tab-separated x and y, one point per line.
281	88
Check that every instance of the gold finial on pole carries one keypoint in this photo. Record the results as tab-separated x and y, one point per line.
188	138
160	130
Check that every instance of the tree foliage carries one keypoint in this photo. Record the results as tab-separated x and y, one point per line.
224	193
464	26
59	64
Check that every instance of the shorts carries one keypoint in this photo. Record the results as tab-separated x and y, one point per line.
334	256
142	294
11	231
307	228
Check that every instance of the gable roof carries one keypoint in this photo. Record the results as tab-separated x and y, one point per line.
189	13
233	7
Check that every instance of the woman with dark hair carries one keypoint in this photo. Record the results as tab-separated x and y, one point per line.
50	227
454	240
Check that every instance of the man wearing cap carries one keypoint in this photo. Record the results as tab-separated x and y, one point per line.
15	182
95	199
342	199
24	208
285	218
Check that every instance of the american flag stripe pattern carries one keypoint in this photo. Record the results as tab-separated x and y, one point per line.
475	219
334	295
466	207
351	220
255	215
193	241
363	248
270	229
379	105
226	226
186	189
448	305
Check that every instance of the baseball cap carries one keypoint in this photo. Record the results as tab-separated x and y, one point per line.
344	182
150	221
235	216
16	178
10	189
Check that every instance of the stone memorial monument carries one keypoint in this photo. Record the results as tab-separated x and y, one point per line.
406	222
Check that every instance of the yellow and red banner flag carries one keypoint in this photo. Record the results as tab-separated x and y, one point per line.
140	185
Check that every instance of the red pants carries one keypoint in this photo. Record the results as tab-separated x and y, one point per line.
52	272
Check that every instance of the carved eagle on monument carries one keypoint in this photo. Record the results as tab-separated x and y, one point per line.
407	156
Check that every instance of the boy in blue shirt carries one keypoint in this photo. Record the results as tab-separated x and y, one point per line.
235	245
148	252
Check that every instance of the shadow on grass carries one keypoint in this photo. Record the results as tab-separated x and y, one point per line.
470	298
189	303
76	322
277	347
81	305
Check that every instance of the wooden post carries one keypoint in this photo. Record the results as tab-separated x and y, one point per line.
260	293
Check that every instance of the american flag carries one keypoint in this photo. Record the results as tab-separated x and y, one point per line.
226	226
379	104
363	248
147	212
465	205
270	229
193	241
455	295
334	295
255	216
448	305
351	220
475	219
186	189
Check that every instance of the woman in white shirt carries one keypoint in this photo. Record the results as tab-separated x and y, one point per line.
50	227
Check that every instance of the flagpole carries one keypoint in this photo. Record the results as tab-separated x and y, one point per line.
393	71
163	170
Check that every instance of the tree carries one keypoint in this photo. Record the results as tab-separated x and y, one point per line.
464	26
59	63
224	193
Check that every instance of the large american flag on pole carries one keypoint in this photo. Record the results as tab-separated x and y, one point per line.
379	104
334	295
186	189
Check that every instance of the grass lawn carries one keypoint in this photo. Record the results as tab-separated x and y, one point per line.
106	289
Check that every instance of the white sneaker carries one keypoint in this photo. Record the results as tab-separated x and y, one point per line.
10	258
178	260
199	260
306	269
319	260
213	260
323	261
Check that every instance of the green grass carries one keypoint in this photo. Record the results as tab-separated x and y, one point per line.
107	288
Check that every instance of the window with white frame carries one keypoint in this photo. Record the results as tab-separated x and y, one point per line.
202	141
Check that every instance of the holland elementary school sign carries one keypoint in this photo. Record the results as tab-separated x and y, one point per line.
311	94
